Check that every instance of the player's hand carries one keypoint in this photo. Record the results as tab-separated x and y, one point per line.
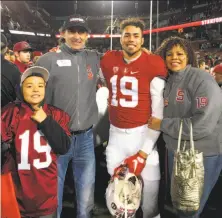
39	114
154	123
54	49
136	163
146	50
120	171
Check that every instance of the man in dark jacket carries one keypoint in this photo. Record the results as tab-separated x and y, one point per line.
10	76
74	73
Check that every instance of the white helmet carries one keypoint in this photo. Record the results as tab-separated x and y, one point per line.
123	196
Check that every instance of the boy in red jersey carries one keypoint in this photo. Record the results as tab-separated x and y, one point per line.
33	134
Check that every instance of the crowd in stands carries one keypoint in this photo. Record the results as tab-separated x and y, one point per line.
212	10
12	21
208	52
14	17
11	18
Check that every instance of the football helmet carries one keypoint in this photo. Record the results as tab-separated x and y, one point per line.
123	195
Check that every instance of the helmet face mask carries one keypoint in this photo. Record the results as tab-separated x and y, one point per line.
123	196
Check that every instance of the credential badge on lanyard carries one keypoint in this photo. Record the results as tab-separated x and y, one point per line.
64	63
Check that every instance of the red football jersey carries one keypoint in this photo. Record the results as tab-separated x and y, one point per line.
129	87
33	164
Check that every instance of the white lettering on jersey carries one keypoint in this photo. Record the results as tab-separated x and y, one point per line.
133	92
25	165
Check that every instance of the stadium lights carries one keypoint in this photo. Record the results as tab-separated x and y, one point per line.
28	33
43	34
21	32
96	36
40	34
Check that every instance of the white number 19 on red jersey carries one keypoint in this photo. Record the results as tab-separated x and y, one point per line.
24	164
133	92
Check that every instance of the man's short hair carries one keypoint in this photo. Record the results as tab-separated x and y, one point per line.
217	62
132	22
201	61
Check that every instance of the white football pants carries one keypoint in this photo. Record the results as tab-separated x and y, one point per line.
127	142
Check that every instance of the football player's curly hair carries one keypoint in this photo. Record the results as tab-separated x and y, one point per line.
172	41
132	22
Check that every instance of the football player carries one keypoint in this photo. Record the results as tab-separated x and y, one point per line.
135	80
34	133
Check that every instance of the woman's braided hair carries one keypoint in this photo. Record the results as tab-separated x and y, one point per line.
172	41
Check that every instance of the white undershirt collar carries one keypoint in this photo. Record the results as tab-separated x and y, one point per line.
129	61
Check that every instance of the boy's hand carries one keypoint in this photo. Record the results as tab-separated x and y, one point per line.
39	115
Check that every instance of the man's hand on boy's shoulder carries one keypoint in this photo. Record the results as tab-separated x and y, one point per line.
146	50
39	114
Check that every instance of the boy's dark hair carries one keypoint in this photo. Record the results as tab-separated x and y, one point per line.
219	61
132	22
172	41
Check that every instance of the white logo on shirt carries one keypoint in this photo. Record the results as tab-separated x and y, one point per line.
125	70
115	69
64	63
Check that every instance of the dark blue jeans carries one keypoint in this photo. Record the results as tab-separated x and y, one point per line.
82	155
212	169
